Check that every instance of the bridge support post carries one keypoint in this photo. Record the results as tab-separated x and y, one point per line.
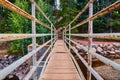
51	36
69	35
90	31
65	35
34	40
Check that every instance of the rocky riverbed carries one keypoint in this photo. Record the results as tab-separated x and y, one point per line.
111	51
108	50
17	74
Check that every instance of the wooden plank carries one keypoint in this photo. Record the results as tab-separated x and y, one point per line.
60	65
60	77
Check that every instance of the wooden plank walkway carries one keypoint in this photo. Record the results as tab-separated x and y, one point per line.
60	65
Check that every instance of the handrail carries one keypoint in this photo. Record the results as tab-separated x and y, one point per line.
81	76
9	37
41	11
4	72
106	10
30	73
101	58
16	9
90	35
114	36
96	75
45	64
82	11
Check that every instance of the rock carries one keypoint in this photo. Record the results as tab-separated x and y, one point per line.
94	49
116	45
5	56
117	52
10	57
111	52
81	51
100	45
1	66
109	47
14	77
105	53
112	49
94	46
99	49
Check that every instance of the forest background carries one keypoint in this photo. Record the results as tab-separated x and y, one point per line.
11	22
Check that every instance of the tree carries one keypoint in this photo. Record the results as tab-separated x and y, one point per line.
20	24
68	12
4	21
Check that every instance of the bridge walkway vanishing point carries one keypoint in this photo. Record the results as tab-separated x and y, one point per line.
60	65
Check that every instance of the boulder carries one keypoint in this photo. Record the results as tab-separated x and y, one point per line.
95	45
109	47
99	49
111	52
101	45
94	49
117	52
116	45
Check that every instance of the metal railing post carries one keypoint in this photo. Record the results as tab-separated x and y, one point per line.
51	35
65	34
69	34
34	40
90	31
55	33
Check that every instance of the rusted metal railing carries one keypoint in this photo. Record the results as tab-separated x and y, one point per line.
90	35
8	37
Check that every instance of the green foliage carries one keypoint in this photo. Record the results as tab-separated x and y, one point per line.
20	24
4	21
11	22
114	23
68	12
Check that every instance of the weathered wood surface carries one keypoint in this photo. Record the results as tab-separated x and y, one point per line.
60	65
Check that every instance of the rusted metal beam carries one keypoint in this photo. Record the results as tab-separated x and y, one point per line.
7	70
105	11
16	9
114	36
82	11
9	37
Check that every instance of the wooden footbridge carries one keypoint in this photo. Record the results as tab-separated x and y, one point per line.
59	62
60	65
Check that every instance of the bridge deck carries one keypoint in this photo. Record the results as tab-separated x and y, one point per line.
60	65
